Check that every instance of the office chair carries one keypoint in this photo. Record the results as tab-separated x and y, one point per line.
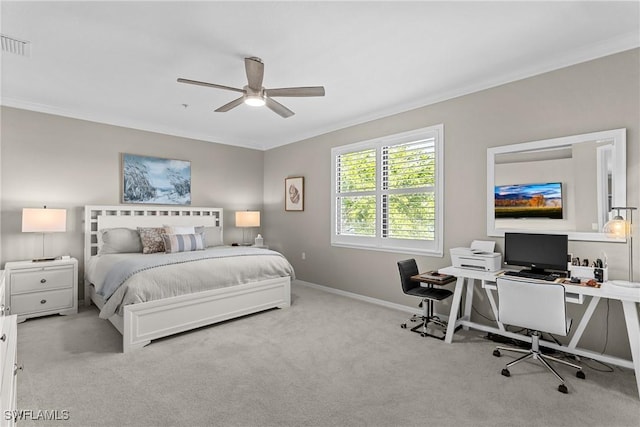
540	307
428	294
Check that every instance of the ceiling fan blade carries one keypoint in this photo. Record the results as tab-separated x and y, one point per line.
230	105
195	82
296	91
255	72
278	108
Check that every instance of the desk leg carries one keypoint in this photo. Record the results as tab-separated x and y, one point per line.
455	305
633	330
468	301
583	322
494	308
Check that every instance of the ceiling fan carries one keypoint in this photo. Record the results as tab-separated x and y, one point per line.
255	94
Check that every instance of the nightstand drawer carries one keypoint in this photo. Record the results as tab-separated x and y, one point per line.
43	279
5	332
3	297
8	367
42	301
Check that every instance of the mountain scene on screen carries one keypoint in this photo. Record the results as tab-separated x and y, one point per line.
529	201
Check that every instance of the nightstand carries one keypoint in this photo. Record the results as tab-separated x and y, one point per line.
41	288
8	365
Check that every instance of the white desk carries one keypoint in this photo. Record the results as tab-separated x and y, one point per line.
629	297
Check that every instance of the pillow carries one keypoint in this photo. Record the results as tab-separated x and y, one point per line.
151	238
172	229
183	242
118	240
212	235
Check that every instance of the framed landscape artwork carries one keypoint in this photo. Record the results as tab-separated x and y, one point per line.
294	193
543	200
154	180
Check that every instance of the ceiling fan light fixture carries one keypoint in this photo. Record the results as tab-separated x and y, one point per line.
254	100
255	95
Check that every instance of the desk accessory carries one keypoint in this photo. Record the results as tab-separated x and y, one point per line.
599	274
434	275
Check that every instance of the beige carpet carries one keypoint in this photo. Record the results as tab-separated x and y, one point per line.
328	360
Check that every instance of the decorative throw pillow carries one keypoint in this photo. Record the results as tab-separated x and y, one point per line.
212	235
183	242
151	238
119	240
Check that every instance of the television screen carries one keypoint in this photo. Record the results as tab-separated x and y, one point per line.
536	251
529	200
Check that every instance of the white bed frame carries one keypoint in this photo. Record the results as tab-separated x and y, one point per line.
151	320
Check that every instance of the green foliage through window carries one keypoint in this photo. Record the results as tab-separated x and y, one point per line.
406	193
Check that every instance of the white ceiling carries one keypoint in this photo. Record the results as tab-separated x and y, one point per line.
117	62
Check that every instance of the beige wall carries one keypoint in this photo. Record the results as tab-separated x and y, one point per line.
68	163
597	95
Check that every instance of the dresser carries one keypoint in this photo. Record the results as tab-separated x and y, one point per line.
41	288
8	365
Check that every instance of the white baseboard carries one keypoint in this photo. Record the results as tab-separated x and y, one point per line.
383	303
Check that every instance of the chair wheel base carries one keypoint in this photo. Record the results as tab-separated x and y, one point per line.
496	353
422	334
506	372
563	389
403	326
580	375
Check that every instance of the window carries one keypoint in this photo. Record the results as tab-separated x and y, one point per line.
387	193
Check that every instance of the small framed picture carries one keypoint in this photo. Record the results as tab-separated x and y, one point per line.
294	193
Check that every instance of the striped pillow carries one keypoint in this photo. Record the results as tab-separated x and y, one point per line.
182	242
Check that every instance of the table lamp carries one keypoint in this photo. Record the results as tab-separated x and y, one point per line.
43	220
621	228
247	219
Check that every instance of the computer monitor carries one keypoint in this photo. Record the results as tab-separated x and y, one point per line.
538	252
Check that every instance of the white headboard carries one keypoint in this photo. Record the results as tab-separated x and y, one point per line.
98	217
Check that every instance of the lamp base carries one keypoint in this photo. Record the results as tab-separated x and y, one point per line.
42	259
625	283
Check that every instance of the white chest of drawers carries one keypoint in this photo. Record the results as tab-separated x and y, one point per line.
8	365
41	288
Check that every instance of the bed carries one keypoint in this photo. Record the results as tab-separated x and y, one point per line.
142	321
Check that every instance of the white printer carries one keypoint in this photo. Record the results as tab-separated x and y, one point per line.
479	256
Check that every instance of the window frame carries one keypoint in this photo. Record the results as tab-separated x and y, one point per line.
387	244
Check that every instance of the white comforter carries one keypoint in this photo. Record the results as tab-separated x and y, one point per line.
177	279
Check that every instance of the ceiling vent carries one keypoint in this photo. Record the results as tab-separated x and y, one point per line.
13	45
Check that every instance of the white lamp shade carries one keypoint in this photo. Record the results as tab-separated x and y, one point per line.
248	219
617	227
43	220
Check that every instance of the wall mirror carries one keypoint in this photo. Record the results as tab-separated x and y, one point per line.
562	185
